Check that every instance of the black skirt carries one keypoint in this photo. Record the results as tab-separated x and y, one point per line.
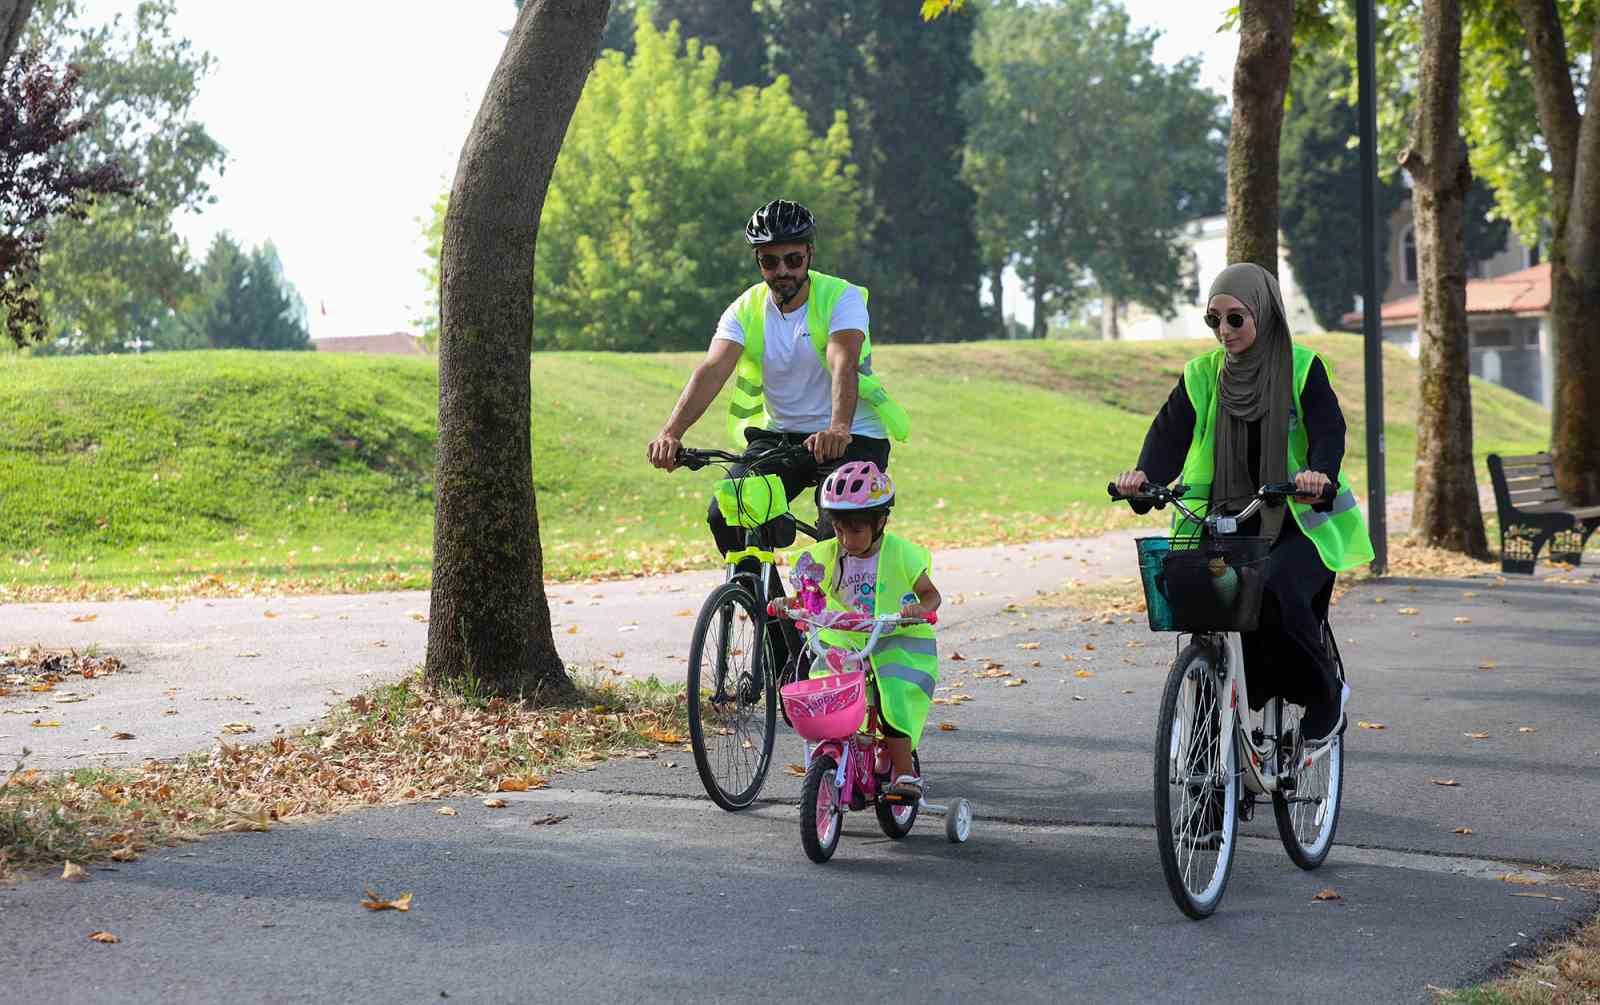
1285	656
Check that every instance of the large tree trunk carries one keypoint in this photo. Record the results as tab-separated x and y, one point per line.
1574	145
1260	81
1446	512
13	19
1108	319
489	629
1041	327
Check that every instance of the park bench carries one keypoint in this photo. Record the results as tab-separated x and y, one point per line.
1533	514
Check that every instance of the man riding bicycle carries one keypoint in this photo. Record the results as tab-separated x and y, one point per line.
799	344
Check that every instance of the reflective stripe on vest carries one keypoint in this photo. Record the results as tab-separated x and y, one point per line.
1340	534
748	405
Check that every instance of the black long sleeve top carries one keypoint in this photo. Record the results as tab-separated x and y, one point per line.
1167	442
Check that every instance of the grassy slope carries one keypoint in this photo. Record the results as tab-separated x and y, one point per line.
314	470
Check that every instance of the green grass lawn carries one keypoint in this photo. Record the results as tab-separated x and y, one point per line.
304	471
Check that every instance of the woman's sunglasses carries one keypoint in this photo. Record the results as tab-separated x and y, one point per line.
794	260
1214	321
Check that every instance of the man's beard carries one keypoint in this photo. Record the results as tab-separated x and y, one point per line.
786	288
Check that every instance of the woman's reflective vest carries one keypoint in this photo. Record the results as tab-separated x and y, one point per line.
907	660
749	408
1339	534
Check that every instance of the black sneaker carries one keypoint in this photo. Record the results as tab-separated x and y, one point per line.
1324	720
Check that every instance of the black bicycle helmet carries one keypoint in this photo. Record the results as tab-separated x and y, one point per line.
780	222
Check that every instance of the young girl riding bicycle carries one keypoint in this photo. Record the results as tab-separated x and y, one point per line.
866	570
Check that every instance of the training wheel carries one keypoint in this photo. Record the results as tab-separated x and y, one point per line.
958	821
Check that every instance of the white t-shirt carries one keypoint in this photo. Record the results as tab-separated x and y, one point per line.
798	388
858	581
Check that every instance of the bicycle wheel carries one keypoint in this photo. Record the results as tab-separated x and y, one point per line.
821	816
732	703
896	819
1308	815
1197	802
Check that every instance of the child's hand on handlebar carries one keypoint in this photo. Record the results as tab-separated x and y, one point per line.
918	612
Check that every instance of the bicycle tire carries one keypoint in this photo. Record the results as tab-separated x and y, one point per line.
897	819
732	707
1308	820
1189	771
819	796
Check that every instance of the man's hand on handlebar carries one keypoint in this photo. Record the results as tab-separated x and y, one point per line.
829	444
663	451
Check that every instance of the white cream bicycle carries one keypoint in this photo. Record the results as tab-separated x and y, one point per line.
1209	745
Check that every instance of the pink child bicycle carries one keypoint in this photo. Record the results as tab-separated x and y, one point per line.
828	712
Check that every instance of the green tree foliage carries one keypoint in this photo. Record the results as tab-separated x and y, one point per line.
899	80
245	301
641	240
119	274
1089	157
1321	190
734	27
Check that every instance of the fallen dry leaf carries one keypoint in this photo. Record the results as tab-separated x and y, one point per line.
269	614
548	819
686	612
1364	724
73	872
105	937
1089	646
660	735
956	657
1327	894
1487	665
796	770
125	854
1476	736
447	811
419	617
495	804
249	654
1463	831
1027	645
1527	729
1447	782
122	736
1518	879
1016	683
948	727
523	783
1083	673
45	725
237	728
84	618
1407	610
1462	620
373	902
572	629
1549	896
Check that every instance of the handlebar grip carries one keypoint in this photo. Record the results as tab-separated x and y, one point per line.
933	617
772	608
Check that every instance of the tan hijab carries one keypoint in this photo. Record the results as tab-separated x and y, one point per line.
1256	384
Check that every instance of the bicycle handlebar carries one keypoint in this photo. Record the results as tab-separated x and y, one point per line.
694	459
1161	495
849	621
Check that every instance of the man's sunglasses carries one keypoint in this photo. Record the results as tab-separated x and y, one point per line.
794	260
1214	321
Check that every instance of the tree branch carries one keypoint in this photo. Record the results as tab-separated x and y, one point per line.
13	19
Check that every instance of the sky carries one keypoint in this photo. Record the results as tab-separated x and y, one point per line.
343	120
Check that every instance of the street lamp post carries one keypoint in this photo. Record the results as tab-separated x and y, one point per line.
1371	305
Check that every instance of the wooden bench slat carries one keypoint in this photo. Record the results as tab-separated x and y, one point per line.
1531	482
1528	459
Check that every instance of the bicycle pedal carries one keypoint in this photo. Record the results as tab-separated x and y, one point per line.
896	799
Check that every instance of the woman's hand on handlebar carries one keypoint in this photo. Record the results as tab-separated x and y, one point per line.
663	451
1130	483
1313	486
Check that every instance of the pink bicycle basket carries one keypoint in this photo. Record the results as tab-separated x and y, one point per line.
827	708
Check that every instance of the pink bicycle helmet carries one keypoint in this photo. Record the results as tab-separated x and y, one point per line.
857	485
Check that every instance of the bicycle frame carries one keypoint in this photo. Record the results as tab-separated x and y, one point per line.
1257	780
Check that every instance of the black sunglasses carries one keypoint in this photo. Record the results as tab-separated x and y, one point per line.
1214	321
794	260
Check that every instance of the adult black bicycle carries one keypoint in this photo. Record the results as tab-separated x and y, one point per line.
734	652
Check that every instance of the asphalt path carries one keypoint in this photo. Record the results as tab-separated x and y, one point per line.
644	891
